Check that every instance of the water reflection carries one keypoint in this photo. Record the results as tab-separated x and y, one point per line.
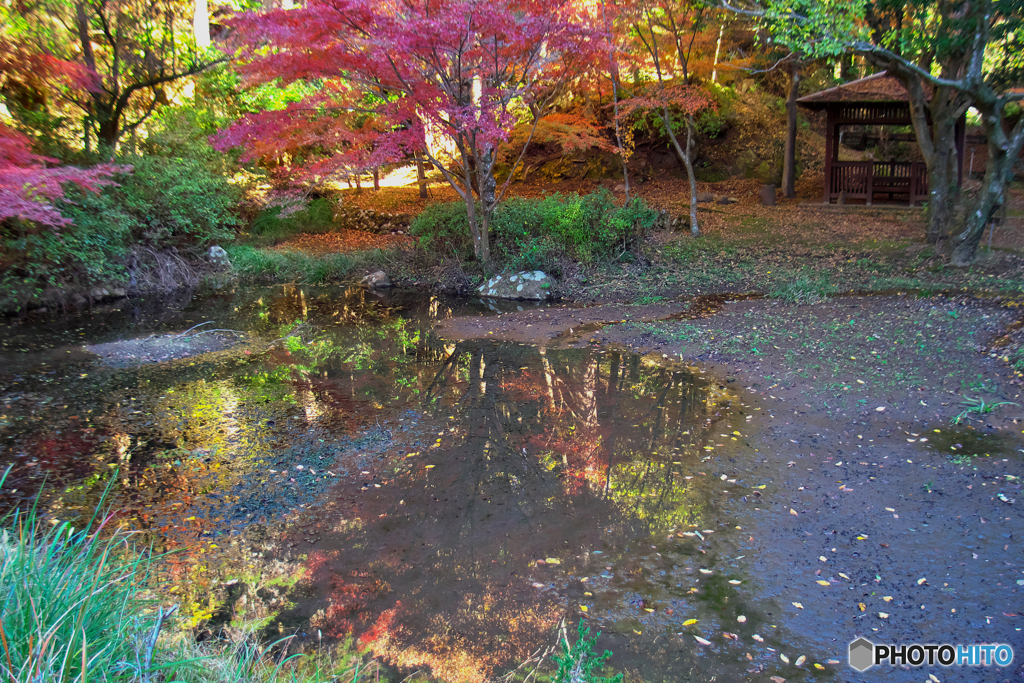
462	556
350	472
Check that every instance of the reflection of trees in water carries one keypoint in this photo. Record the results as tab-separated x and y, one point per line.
541	454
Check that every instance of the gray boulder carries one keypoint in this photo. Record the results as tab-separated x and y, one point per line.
218	257
533	285
376	280
705	197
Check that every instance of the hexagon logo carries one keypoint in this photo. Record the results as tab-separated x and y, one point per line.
862	654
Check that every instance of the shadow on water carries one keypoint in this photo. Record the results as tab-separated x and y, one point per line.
347	472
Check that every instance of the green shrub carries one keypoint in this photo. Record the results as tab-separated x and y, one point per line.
444	230
529	233
162	206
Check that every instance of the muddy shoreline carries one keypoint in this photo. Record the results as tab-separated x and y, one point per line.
881	517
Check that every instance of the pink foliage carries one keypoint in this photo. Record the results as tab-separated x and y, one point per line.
28	187
453	66
685	99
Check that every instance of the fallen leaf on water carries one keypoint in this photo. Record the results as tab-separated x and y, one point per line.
883	615
843	575
819	666
933	678
800	660
689	622
741	618
430	466
822	558
637	632
798	605
880	409
784	658
538	585
921	580
551	560
735	582
890	509
793	512
778	679
701	640
757	638
648	609
730	636
824	583
888	598
705	571
670	612
862	606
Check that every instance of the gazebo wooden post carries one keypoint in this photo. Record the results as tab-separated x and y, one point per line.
830	148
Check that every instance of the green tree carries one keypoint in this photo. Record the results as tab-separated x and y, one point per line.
950	55
128	53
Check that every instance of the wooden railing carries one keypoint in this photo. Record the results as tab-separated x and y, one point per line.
869	179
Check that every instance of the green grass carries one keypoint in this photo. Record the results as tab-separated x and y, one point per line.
805	288
73	606
254	263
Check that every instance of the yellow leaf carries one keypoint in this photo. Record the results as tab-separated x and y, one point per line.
862	606
583	607
793	512
689	622
888	598
551	560
430	466
819	666
824	583
798	605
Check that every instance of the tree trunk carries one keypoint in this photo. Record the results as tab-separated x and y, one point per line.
376	178
789	160
1003	151
488	188
421	177
943	192
684	156
359	186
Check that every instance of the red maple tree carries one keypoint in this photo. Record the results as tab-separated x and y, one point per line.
458	72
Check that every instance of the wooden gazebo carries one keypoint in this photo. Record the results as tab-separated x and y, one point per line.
877	100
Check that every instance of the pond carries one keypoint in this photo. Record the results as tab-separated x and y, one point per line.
342	470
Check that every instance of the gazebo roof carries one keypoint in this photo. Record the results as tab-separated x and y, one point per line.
880	87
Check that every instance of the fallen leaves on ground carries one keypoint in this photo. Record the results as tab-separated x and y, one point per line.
344	242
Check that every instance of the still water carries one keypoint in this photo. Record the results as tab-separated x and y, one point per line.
337	469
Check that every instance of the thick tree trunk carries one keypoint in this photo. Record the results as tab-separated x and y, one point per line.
942	180
789	160
1003	151
376	178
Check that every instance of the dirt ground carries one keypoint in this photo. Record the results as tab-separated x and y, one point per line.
892	433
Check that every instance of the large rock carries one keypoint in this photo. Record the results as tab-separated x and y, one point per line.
376	280
534	285
218	257
705	197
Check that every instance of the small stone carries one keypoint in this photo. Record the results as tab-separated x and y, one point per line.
218	257
376	280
